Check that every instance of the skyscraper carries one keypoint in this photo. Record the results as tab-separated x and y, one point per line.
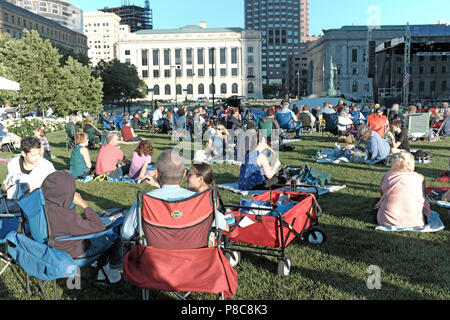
284	25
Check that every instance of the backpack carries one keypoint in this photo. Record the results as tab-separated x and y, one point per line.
39	260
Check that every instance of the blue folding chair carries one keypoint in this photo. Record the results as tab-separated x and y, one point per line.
179	127
331	123
287	123
258	114
37	228
118	121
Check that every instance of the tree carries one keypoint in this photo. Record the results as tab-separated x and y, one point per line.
44	82
33	63
80	90
69	52
120	81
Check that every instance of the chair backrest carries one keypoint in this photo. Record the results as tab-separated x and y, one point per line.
91	134
179	122
176	225
331	120
70	131
33	208
266	126
419	125
305	118
258	114
285	120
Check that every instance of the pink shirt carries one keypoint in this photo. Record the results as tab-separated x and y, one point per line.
403	202
107	159
137	162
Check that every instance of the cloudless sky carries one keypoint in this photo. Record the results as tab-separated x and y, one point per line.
324	14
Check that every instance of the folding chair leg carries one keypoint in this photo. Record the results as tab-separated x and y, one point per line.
28	286
8	263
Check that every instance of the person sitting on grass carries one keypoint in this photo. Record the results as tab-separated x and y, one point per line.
256	172
80	160
142	157
29	171
108	157
40	134
200	178
403	201
377	149
399	137
128	134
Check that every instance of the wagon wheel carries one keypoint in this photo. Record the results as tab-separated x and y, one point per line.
234	257
316	235
284	266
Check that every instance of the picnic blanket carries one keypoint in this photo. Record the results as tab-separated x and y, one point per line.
104	177
435	224
234	187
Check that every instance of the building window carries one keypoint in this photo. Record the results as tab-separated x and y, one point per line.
156	57
200	57
179	89
167	57
234	55
167	89
144	73
223	72
212	88
212	54
189	56
234	88
127	52
167	73
251	88
178	61
355	55
223	88
421	86
190	89
201	72
189	73
355	87
155	73
201	89
234	72
156	90
223	56
144	57
444	86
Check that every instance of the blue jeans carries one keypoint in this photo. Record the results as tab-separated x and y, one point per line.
98	245
120	172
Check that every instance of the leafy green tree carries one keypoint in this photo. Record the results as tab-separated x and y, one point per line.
36	65
33	63
66	52
120	81
80	90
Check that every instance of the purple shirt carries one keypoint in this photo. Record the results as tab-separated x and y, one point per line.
137	162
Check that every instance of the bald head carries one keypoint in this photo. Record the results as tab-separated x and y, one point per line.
170	168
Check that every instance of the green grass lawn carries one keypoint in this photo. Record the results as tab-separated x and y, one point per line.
413	265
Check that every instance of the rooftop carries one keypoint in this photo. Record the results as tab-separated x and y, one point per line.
190	29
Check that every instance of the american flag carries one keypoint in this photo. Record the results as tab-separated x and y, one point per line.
407	79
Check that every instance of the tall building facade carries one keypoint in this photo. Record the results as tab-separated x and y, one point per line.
284	25
195	62
62	12
14	19
138	18
102	30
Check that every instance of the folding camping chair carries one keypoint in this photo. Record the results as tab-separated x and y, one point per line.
419	125
70	136
286	122
258	114
331	124
9	222
93	139
179	127
118	121
307	124
175	252
37	231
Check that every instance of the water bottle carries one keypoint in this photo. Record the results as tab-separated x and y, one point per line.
229	217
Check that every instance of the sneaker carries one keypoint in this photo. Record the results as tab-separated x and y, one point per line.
113	275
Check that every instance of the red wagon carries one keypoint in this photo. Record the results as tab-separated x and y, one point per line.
271	235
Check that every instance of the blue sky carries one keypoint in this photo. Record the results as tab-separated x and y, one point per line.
324	14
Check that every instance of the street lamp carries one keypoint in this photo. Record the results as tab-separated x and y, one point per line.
177	67
152	90
213	72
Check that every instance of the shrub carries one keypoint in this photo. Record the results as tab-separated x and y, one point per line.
25	127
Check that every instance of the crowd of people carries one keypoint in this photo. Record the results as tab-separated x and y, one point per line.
402	201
